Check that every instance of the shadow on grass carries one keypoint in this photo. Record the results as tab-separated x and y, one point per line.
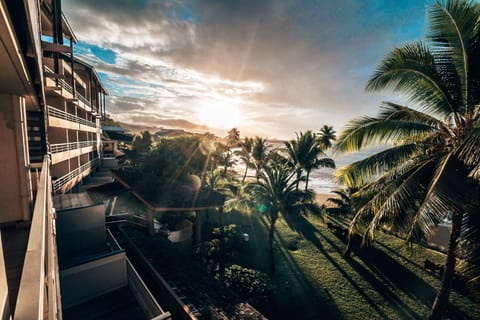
386	268
294	295
304	227
407	281
326	307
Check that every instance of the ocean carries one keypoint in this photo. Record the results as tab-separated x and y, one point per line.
321	180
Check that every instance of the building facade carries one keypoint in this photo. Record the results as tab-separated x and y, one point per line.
51	104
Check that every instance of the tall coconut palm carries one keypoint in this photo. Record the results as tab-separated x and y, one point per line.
227	160
305	153
245	156
326	136
260	150
275	193
233	137
433	167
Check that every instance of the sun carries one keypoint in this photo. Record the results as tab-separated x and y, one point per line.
219	114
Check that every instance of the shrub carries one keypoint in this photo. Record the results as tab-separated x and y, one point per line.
247	283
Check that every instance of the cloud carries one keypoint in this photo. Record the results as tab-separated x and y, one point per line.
290	65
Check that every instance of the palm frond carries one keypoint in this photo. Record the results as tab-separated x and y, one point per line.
393	111
361	172
368	131
432	204
411	70
325	163
469	151
453	28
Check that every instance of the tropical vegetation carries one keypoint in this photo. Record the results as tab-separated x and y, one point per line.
275	193
432	168
307	153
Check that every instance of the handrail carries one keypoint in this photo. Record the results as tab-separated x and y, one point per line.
38	293
60	182
4	302
69	88
62	147
54	112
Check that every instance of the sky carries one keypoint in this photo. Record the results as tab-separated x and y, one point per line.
267	67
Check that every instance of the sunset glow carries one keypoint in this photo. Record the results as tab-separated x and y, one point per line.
219	114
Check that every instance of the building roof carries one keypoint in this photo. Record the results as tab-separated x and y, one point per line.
47	27
87	66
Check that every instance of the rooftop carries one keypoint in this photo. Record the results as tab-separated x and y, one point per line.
118	304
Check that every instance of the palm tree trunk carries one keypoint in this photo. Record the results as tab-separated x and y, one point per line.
306	180
198	229
299	174
270	242
441	301
348	249
245	174
222	244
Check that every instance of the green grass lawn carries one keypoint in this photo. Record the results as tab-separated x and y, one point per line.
316	282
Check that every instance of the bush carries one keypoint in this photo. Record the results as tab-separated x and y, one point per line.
247	283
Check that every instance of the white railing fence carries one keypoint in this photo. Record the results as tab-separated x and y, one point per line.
54	112
60	182
39	291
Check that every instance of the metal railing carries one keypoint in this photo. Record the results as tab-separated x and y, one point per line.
39	290
60	182
54	112
65	85
62	147
4	302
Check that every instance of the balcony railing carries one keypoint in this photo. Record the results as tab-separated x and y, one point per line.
62	147
39	290
60	182
54	112
65	85
4	302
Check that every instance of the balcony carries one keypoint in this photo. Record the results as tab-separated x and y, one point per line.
39	291
61	119
69	180
67	91
64	151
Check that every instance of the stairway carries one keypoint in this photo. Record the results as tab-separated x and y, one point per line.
37	145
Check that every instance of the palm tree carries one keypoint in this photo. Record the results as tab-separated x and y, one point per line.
245	155
326	136
343	202
216	189
433	167
274	194
233	138
260	150
226	160
304	153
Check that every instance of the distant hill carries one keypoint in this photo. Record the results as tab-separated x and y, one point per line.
136	128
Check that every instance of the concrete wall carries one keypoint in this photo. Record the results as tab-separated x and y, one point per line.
80	232
87	281
15	189
59	169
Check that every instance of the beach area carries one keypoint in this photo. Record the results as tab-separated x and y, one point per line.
321	198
